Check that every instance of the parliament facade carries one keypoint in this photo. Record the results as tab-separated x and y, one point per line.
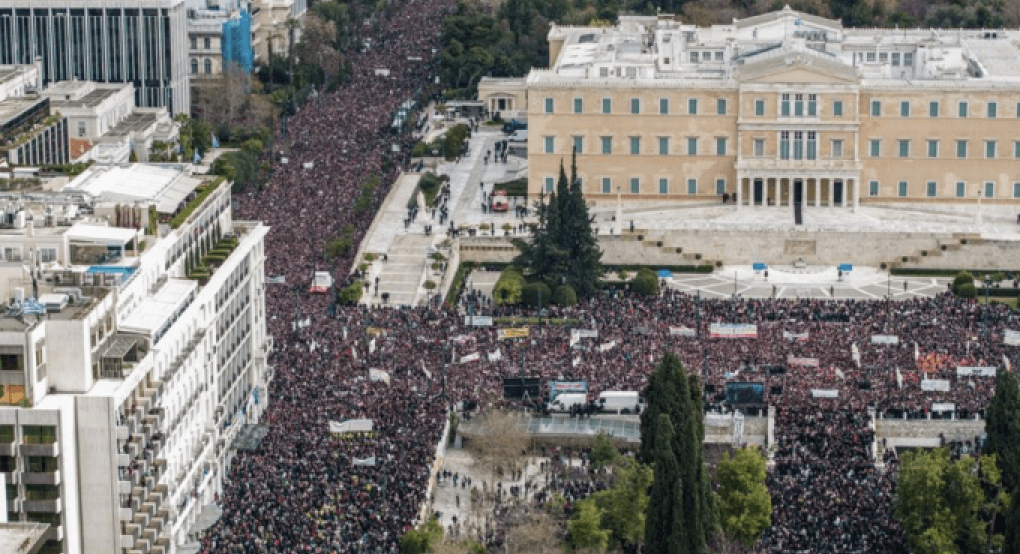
779	109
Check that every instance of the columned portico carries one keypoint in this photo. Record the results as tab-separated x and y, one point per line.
785	189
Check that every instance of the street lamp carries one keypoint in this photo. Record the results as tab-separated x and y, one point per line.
988	285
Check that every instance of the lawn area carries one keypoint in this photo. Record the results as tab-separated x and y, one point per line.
1011	302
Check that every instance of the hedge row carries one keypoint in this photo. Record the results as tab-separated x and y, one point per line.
704	268
999	293
925	272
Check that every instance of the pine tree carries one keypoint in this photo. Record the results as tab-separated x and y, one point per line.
1002	423
664	529
1012	517
564	250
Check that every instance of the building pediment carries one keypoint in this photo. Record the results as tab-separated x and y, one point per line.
797	68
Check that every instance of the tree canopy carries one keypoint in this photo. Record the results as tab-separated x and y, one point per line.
745	507
945	506
564	249
680	498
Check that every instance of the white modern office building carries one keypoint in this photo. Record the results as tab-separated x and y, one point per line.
133	350
142	42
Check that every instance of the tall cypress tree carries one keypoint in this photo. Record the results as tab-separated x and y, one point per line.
1002	423
674	394
664	528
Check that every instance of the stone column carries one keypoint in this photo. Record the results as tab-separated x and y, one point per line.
832	192
740	191
818	192
857	194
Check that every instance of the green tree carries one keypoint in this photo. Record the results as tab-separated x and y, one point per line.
564	249
1002	423
664	524
509	287
421	540
745	507
672	392
646	282
625	505
945	506
565	296
604	453
586	527
536	295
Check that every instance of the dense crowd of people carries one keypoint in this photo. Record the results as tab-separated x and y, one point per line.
304	490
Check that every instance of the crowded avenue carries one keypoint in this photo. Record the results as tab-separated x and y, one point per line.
305	490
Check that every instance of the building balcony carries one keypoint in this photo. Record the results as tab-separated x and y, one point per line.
8	449
141	519
123	459
122	433
133	448
124	487
13	505
52	506
126	541
142	546
10	477
51	450
40	478
124	514
817	165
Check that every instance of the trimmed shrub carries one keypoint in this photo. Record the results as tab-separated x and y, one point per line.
966	290
536	294
565	296
351	294
646	283
962	278
509	287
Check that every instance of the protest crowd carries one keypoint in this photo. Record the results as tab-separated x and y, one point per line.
302	490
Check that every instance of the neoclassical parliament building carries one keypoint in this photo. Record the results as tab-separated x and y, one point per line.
778	109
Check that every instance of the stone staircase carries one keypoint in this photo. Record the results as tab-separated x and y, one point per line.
401	274
954	244
657	240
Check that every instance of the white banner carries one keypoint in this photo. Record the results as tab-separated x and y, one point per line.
856	353
427	372
371	346
939	385
351	426
378	375
607	346
365	462
917	352
803	362
495	356
682	332
963	371
1005	361
899	379
885	339
825	393
585	333
478	320
943	407
840	374
576	360
733	331
1012	338
796	336
470	357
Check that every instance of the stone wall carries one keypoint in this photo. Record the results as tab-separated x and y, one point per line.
925	433
781	247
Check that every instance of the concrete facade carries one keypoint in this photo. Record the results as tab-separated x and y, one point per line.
121	400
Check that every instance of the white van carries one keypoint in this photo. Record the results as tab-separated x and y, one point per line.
520	135
563	402
621	402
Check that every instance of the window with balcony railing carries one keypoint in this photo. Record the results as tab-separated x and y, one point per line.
42	492
12	491
42	464
39	434
7	464
6	434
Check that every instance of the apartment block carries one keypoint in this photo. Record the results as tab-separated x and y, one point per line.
133	351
